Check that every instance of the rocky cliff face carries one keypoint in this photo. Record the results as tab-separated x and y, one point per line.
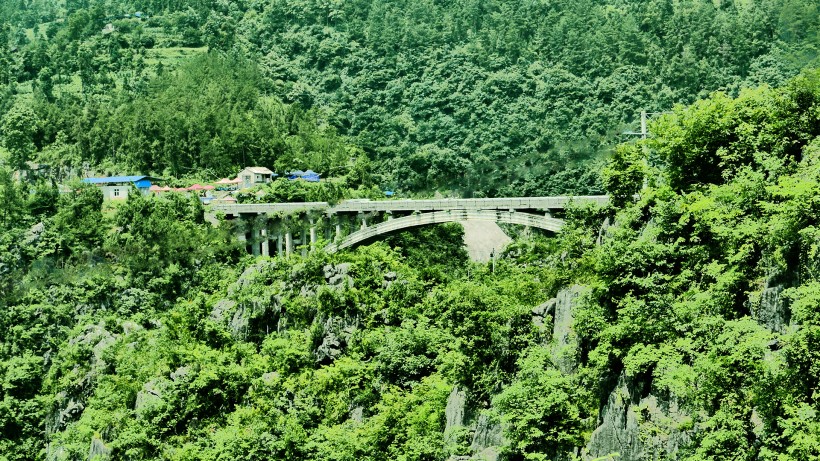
554	319
652	427
768	306
632	427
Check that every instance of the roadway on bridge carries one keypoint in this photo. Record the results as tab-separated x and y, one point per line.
367	206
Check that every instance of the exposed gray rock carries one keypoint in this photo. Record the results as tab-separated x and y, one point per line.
768	306
454	431
70	412
330	349
307	291
338	275
618	430
181	374
357	414
389	279
129	327
237	316
33	234
603	232
270	377
56	453
484	240
565	351
222	309
98	338
241	319
152	396
542	315
639	428
487	438
664	427
253	274
454	411
98	451
336	332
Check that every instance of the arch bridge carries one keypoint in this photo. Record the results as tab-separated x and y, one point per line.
277	228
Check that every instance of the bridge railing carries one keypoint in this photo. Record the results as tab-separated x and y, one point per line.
365	206
263	208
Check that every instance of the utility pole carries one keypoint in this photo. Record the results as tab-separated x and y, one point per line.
644	133
643	124
645	153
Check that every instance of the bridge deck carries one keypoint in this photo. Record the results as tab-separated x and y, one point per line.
364	206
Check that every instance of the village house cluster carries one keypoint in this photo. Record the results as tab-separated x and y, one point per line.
118	187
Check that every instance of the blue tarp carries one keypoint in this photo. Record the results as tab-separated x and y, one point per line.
309	175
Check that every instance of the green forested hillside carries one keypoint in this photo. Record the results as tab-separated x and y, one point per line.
681	321
143	333
474	97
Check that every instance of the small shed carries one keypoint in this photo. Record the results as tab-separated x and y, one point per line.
254	176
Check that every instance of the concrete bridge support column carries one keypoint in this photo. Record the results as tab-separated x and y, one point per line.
255	241
303	243
288	243
265	243
363	218
279	242
312	235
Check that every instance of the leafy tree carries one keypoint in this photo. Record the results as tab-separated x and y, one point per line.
19	127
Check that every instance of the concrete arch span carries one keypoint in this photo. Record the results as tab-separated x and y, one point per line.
440	217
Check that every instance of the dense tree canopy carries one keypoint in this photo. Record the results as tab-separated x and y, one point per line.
686	310
476	98
144	333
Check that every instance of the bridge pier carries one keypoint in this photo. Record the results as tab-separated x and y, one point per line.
312	236
255	241
288	243
265	243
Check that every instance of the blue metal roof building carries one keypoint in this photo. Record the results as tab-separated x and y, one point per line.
117	187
